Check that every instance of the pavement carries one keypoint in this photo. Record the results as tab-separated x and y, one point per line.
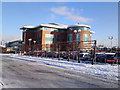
23	74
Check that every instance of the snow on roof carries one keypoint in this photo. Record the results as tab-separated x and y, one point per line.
2	45
77	25
55	25
92	31
27	27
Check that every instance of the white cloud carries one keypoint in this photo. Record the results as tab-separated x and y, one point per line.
61	10
70	13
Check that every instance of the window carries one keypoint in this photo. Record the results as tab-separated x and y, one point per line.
38	38
47	49
70	37
49	29
85	28
77	37
79	28
58	38
24	37
85	39
49	38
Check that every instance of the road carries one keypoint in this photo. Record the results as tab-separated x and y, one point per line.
23	74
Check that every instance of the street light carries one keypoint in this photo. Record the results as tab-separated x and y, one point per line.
77	31
34	44
23	46
110	37
29	43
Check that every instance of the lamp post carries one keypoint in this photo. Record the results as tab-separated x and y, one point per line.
76	32
94	53
34	45
23	46
110	37
29	44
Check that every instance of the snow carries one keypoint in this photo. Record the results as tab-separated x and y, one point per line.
101	70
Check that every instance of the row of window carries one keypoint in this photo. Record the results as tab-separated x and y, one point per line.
49	38
49	29
78	28
86	37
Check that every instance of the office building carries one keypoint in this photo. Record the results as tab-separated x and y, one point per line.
56	37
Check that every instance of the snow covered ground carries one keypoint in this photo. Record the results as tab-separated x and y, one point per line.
101	70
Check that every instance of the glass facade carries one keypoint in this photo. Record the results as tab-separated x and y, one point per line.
70	37
86	38
49	38
78	28
77	37
58	38
49	29
47	49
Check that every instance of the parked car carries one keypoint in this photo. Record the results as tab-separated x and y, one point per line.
38	53
29	53
106	57
49	54
87	57
117	57
74	55
10	52
66	55
84	56
110	59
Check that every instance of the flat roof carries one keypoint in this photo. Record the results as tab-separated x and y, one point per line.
28	27
53	25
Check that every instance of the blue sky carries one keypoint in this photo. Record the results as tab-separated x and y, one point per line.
101	16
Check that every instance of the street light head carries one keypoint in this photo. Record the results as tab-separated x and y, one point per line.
79	30
30	39
23	42
110	37
34	41
75	31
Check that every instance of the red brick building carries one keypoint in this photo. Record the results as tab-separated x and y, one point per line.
54	37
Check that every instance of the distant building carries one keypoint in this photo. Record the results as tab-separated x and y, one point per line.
14	46
2	49
54	37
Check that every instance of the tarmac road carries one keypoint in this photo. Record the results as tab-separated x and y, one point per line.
23	74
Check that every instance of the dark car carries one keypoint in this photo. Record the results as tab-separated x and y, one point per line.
11	52
117	57
65	55
38	53
100	57
110	59
29	53
107	57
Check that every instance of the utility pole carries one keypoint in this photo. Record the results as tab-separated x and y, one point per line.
94	53
30	45
111	37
